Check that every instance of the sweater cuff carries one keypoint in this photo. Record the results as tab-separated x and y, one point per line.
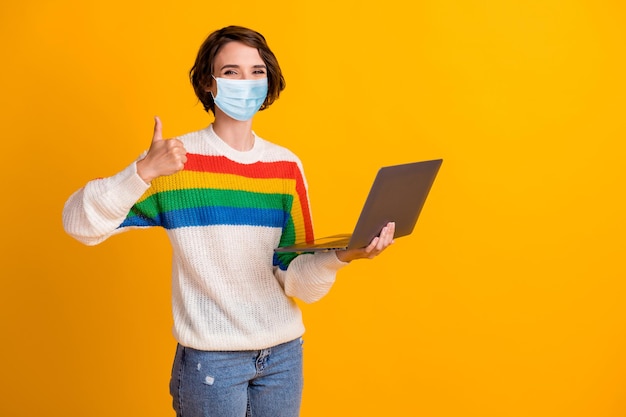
132	181
329	260
121	191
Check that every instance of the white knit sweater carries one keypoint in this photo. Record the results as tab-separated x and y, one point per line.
224	215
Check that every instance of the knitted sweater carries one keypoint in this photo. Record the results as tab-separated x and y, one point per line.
224	213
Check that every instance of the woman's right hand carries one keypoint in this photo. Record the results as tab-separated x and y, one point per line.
165	156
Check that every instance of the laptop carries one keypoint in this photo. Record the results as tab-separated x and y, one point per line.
397	195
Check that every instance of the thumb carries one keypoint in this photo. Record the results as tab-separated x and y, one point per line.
158	130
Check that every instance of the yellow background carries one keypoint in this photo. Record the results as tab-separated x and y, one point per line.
507	301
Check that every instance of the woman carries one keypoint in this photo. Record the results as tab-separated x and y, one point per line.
227	198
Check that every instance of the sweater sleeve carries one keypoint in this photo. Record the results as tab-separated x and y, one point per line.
309	276
93	213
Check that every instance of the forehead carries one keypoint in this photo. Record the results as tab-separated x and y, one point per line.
237	53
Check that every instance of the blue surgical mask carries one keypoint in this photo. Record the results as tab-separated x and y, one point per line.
240	99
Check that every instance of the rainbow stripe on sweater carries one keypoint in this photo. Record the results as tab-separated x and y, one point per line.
214	190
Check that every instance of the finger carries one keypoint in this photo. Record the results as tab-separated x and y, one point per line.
382	244
158	130
388	233
177	145
370	248
384	237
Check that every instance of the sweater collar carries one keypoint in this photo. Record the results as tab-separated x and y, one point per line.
244	157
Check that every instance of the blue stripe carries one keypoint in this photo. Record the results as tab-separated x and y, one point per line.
211	216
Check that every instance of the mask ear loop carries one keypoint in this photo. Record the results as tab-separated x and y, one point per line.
211	92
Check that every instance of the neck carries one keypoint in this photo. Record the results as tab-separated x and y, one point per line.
236	134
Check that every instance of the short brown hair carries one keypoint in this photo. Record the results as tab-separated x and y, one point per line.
202	70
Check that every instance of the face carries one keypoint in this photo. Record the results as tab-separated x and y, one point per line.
237	61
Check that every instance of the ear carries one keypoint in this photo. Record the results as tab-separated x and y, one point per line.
210	86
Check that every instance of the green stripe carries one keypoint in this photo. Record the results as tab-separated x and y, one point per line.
288	236
206	197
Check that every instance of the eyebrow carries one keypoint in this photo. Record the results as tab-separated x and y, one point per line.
238	66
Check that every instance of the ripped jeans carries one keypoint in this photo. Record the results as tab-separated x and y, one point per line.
251	383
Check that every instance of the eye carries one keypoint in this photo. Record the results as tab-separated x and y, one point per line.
230	72
259	72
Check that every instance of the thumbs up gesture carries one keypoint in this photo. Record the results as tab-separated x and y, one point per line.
165	156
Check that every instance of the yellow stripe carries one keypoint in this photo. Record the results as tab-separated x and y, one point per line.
193	179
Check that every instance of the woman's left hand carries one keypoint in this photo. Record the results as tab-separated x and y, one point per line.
378	244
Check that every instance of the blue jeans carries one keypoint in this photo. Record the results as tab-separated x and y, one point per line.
251	383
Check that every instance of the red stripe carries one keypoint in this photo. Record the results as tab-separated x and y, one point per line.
308	225
223	165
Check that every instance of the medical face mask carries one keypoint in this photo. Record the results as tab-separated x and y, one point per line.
240	99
